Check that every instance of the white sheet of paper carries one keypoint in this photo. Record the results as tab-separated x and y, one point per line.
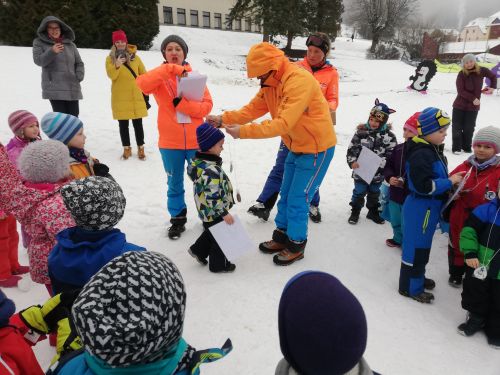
191	87
232	239
369	162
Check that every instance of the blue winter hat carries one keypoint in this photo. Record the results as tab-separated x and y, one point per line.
381	112
431	120
61	126
322	326
208	136
7	308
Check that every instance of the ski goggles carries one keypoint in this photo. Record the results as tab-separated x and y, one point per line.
316	41
379	115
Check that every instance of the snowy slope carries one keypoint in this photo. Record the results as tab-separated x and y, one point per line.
405	337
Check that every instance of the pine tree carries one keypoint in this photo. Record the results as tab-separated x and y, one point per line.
324	16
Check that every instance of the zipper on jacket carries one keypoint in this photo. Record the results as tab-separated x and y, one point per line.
426	220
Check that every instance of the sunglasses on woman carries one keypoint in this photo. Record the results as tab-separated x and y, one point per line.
316	41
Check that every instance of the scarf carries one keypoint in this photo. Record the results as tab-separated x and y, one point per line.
485	164
78	154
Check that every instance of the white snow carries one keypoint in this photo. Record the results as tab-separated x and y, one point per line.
405	337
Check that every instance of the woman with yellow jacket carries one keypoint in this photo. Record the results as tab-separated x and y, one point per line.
127	102
318	48
177	142
301	116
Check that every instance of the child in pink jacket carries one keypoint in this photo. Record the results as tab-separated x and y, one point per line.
36	203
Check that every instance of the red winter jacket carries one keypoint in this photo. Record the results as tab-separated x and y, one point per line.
472	195
469	88
16	356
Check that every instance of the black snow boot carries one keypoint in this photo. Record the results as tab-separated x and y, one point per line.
424	297
314	214
260	211
373	205
355	210
374	216
429	284
473	324
178	222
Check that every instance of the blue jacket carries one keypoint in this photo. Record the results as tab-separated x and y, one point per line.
79	254
426	170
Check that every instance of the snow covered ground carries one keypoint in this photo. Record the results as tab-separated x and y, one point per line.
405	337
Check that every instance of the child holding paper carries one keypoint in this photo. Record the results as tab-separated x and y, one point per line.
377	136
213	195
428	182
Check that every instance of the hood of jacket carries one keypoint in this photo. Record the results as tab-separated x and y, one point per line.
200	162
131	50
262	58
367	129
67	32
80	253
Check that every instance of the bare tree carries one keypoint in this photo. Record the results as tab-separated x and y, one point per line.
383	16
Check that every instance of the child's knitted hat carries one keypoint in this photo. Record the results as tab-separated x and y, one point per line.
381	112
489	135
208	136
95	203
44	161
61	126
431	120
132	311
412	123
21	119
7	309
322	326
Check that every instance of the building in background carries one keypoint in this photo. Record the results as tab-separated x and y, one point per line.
208	14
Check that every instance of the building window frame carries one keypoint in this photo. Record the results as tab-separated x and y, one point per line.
168	16
237	24
206	19
248	24
181	16
217	21
194	16
228	22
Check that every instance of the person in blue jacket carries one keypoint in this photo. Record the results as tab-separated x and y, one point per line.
130	318
96	204
428	182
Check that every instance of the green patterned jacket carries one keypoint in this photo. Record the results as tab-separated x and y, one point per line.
213	192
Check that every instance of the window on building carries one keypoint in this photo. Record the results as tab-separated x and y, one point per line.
167	15
194	18
248	24
181	16
206	19
217	21
237	24
229	24
257	28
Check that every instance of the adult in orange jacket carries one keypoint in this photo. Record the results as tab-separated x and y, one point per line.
318	47
301	116
177	141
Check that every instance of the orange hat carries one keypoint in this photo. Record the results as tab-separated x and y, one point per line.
262	58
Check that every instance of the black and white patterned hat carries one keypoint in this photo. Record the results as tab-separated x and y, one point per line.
95	203
132	311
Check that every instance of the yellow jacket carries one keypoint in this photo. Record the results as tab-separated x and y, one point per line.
127	101
300	113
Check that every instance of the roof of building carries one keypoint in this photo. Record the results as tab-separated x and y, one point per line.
469	47
483	22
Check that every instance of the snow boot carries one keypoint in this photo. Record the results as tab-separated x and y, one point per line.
391	243
174	232
260	211
355	210
429	284
424	297
277	244
230	267
474	323
127	152
494	342
314	214
140	153
374	215
200	260
455	281
293	252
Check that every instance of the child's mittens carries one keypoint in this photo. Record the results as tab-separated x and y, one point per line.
101	170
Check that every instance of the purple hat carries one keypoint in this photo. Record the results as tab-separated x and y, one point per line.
21	119
208	136
322	326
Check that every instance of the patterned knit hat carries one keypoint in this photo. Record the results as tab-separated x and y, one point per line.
61	126
412	123
208	136
319	40
44	161
176	39
119	35
489	135
381	112
431	120
7	309
21	119
132	311
322	326
95	203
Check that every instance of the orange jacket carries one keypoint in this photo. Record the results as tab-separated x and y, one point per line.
162	83
328	79
299	111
